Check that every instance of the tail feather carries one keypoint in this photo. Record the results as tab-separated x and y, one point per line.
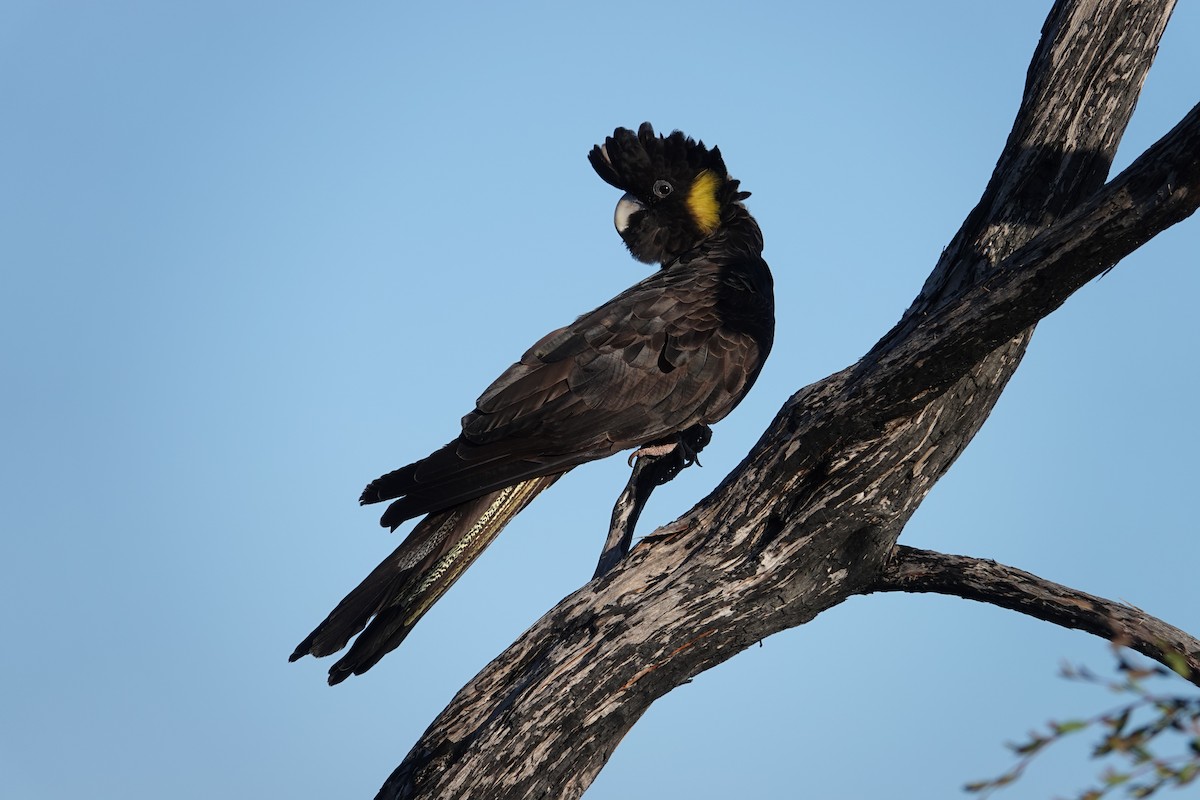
389	486
400	590
455	474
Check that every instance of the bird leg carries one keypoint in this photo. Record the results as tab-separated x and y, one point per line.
653	465
686	445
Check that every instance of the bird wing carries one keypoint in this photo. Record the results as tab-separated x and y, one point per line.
652	362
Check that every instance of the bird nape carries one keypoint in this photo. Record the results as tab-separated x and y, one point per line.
678	349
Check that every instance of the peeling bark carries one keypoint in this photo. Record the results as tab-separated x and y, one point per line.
813	513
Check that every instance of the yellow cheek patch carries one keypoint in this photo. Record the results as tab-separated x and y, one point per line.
702	201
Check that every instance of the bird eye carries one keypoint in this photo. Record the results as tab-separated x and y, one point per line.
662	189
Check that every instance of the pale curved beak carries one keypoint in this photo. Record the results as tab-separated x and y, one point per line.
627	206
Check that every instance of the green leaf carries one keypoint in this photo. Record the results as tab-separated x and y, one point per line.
1176	661
1118	723
1034	744
1113	778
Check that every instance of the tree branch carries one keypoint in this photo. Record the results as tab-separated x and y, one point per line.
983	580
812	515
1160	188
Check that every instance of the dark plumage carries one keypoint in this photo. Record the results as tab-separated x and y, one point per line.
678	349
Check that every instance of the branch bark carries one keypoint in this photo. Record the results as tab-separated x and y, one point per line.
913	570
1160	188
812	515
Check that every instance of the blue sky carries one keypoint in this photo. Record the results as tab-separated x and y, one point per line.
255	255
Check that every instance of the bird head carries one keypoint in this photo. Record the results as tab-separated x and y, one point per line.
677	191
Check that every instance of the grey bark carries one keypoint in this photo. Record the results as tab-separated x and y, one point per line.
913	570
812	515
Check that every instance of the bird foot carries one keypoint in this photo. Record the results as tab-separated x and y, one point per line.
686	444
655	465
653	450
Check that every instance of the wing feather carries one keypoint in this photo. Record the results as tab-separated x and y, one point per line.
654	361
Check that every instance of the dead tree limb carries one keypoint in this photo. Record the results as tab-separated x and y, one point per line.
913	570
811	516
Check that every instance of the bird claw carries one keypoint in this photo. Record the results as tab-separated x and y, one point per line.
685	446
655	450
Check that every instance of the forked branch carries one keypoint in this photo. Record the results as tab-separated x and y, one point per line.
812	515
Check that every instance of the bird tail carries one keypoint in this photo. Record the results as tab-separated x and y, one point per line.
400	590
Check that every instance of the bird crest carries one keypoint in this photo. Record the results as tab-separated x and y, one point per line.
677	190
633	161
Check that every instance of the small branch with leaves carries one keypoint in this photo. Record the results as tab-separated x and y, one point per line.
1132	734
